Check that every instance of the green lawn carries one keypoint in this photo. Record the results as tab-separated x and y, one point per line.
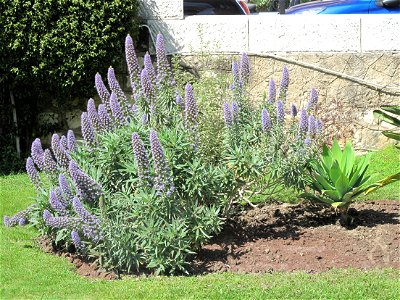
28	273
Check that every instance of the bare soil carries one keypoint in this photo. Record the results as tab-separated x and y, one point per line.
283	237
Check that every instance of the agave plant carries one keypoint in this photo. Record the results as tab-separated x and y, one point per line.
392	118
337	178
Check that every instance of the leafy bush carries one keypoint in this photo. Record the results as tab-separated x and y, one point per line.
337	178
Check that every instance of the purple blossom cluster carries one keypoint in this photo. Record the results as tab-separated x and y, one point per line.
303	122
131	61
293	110
265	121
191	110
148	90
88	132
235	111
227	115
65	188
163	68
319	126
284	84
312	103
141	159
244	68
163	182
56	204
116	88
71	223
106	123
148	66
271	92
312	130
93	115
102	91
71	141
86	187
280	113
20	218
116	110
37	153
33	174
77	240
90	223
49	165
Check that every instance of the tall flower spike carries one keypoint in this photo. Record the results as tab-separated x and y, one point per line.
163	68
37	153
91	226
265	120
319	126
280	112
55	143
102	91
293	110
71	141
87	130
63	142
148	66
227	114
311	126
104	118
65	188
312	103
163	181
92	114
49	165
56	204
62	155
116	110
131	59
61	222
271	92
20	218
86	187
141	158
179	100
33	173
303	123
191	111
116	88
147	87
235	72
77	240
235	111
284	84
244	68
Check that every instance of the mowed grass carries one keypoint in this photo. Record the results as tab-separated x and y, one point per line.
28	273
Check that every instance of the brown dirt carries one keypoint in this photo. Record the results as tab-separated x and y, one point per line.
283	237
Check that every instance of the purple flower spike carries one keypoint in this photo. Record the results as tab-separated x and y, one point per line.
49	166
179	100
141	158
303	123
115	87
280	112
265	120
163	181
86	187
92	114
145	119
163	67
33	173
148	66
312	103
77	240
63	142
87	130
131	59
56	204
64	186
20	218
116	110
244	68
22	221
319	126
311	126
71	141
62	155
55	143
307	142
235	72
91	226
104	118
191	111
271	92
102	91
147	87
37	153
235	111
293	110
6	221
61	222
227	114
284	84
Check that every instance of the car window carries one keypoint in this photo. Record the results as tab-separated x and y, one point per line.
211	8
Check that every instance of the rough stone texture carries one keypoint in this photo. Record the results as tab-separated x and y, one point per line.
345	105
161	9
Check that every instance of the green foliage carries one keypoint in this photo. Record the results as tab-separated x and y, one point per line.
338	178
391	115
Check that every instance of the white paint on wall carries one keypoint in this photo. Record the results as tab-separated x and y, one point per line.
380	33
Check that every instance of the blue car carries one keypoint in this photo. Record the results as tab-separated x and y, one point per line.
347	7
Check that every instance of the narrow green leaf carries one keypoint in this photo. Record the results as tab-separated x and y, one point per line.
384	117
336	151
391	135
342	186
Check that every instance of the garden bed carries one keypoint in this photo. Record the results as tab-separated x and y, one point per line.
284	237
